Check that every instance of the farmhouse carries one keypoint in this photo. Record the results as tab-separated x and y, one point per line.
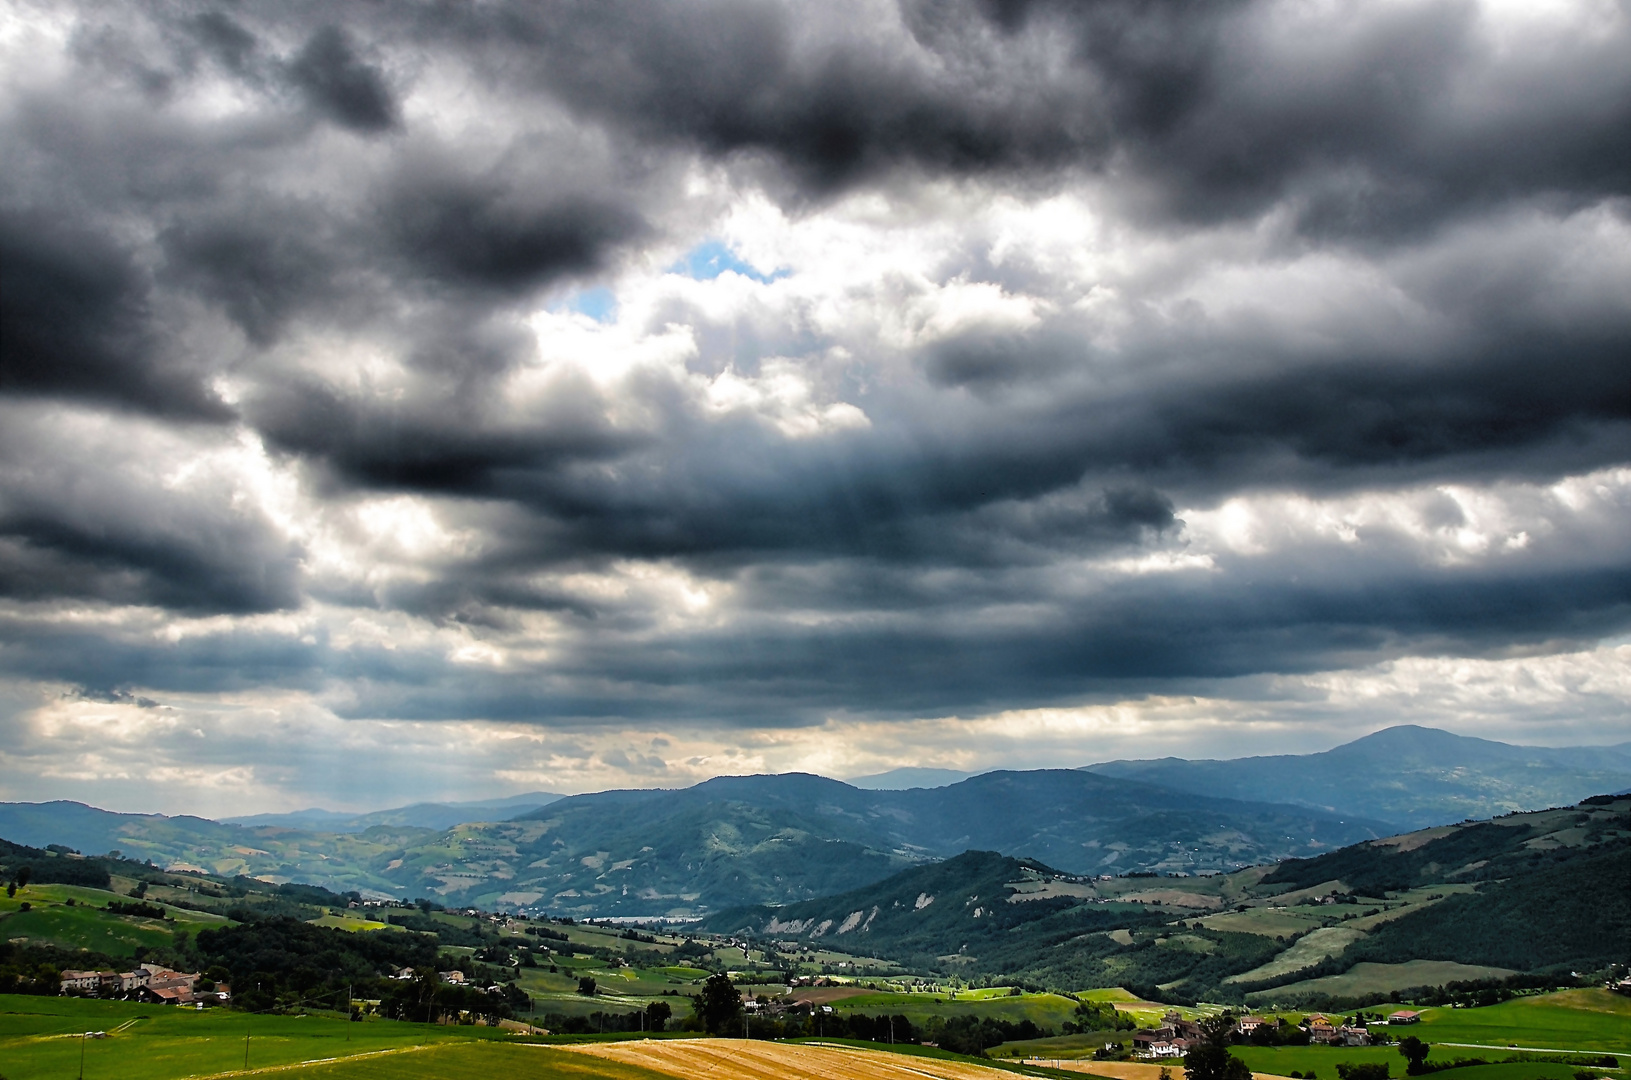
1321	1030
1250	1024
1347	1035
83	982
1404	1016
1172	1038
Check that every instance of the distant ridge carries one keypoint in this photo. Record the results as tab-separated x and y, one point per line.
907	778
1409	776
427	815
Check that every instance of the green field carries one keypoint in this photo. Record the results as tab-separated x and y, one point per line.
1516	1070
1367	979
1045	1010
1568	1020
39	1039
1322	1061
51	921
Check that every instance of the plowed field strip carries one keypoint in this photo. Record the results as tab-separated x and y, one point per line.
735	1059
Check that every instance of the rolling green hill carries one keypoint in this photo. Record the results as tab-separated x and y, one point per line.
1540	893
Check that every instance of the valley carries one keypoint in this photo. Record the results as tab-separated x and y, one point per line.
864	929
733	841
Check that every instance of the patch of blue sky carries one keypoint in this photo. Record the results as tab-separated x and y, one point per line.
711	258
599	303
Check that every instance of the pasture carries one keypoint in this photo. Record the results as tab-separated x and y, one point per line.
52	920
1591	1019
40	1039
1365	979
1045	1010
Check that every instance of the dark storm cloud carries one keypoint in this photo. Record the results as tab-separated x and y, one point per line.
262	264
470	231
336	216
1360	114
338	82
945	652
76	522
75	321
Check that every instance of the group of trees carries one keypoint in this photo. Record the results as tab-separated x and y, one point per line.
718	1010
426	999
1098	1016
654	1017
1210	1058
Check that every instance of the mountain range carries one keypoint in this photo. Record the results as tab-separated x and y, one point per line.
793	837
437	816
724	842
1411	777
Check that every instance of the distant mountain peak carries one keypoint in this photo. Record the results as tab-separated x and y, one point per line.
1410	775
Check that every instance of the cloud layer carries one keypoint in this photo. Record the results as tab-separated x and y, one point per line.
721	370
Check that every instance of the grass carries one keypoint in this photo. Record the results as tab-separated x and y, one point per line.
50	920
1568	1020
1322	1060
1307	951
38	1039
1364	979
1046	1010
1514	1070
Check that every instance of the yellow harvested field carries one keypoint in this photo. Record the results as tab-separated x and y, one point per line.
736	1059
1126	1070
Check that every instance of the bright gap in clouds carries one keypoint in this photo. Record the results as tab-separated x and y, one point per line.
708	260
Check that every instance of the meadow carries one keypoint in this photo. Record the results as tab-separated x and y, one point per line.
1045	1010
52	920
40	1037
1591	1019
1367	979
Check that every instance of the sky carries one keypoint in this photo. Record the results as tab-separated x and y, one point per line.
410	401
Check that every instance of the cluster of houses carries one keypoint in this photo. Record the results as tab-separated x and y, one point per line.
1174	1036
148	982
1171	1038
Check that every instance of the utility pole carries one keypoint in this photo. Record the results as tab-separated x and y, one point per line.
82	1054
347	1012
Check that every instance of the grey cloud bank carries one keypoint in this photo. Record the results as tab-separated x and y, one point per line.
1093	356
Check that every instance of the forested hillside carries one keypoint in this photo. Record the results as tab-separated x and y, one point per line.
1540	894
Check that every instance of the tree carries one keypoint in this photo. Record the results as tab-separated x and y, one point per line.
1210	1059
23	875
657	1014
720	1006
1415	1052
586	985
1369	1070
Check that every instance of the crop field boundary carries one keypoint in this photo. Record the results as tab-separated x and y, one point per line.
292	1065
